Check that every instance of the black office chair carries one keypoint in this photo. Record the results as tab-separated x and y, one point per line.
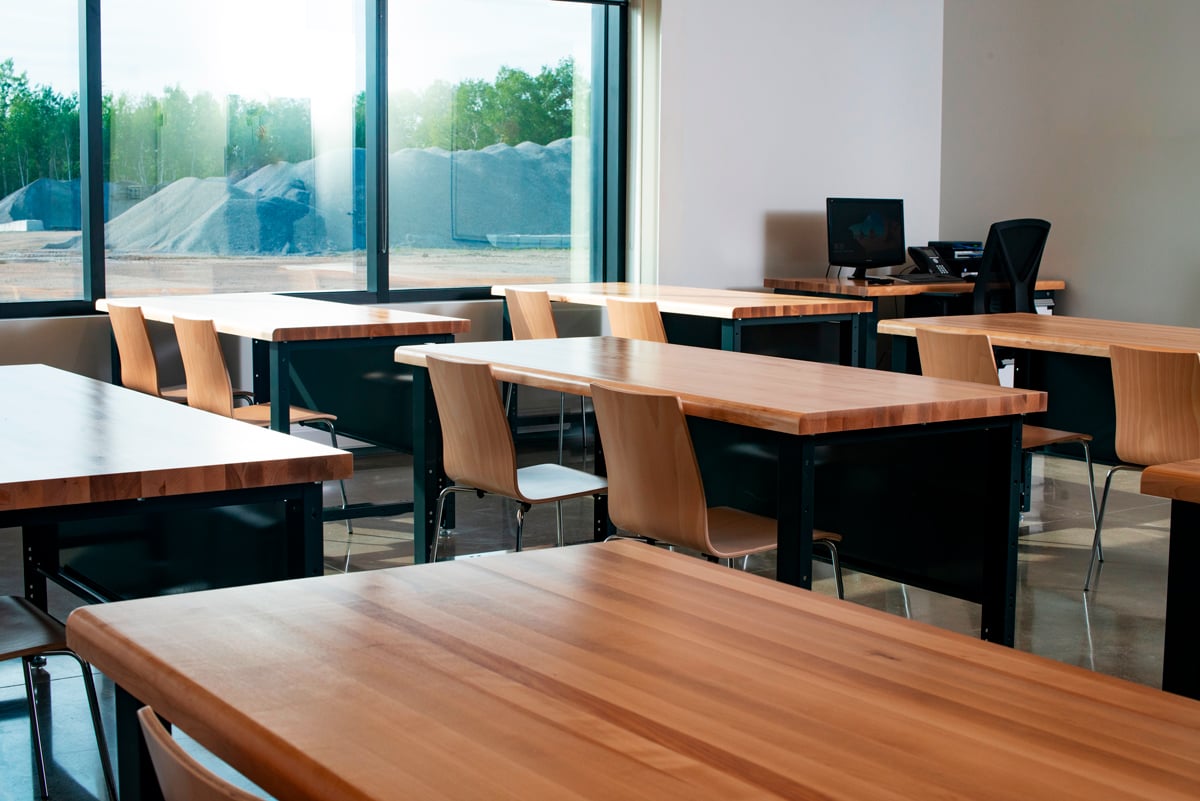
1009	268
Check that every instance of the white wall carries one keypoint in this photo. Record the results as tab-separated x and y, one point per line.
770	106
1085	113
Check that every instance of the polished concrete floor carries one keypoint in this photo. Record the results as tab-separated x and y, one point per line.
1115	629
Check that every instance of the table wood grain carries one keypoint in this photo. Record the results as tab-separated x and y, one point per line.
68	439
726	304
1054	332
850	287
283	318
785	395
616	670
1179	481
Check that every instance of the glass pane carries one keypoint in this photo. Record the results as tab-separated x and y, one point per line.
40	256
231	130
489	141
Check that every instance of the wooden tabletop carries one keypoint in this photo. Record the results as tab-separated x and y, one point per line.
1178	481
1053	332
284	318
787	395
617	670
67	439
725	304
863	289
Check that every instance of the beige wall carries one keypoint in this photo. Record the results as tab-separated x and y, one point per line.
1086	113
770	106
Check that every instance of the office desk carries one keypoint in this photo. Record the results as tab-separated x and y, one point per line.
720	318
334	357
849	288
1067	356
1180	481
817	445
120	494
617	670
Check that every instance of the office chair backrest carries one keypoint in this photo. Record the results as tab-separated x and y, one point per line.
1158	404
139	370
1008	271
635	319
530	314
209	387
477	443
961	357
181	777
654	484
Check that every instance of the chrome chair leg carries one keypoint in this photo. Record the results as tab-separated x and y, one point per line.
439	516
562	419
89	686
522	508
1097	554
558	512
583	428
34	727
836	564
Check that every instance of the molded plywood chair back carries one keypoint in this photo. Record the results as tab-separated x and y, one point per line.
478	451
1008	271
27	632
635	319
181	777
530	314
477	444
1158	405
204	365
959	357
139	368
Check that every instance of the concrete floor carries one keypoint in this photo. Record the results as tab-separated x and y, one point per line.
1115	629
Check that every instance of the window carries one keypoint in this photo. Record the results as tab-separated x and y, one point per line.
489	141
231	157
229	148
39	153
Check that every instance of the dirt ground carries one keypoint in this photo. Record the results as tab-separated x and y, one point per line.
47	265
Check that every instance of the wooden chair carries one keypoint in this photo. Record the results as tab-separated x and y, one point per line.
969	357
532	317
209	388
635	319
139	367
479	455
180	776
1157	396
28	632
656	490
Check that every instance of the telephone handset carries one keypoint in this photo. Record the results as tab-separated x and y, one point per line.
927	260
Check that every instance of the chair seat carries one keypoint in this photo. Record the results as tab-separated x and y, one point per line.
734	532
542	483
1037	436
26	630
260	414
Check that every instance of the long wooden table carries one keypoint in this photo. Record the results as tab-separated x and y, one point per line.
721	318
120	494
817	445
313	353
1180	481
616	670
1067	356
851	289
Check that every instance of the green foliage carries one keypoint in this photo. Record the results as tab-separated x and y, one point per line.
152	140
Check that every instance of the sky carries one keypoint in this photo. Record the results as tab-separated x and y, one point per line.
288	48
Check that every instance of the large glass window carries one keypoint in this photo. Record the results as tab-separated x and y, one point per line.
489	140
39	152
228	143
233	145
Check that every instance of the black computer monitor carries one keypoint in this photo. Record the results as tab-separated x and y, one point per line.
865	232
